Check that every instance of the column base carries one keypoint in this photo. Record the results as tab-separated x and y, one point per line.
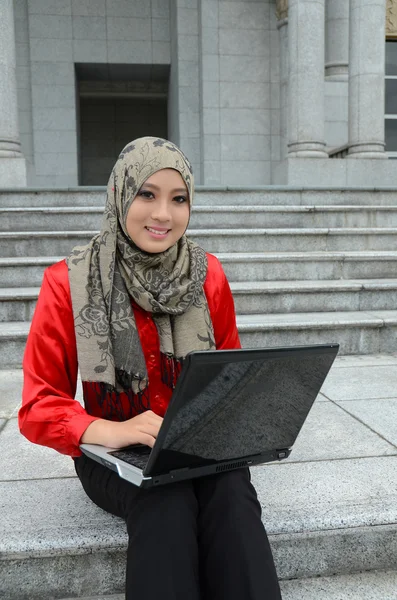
308	154
282	22
337	71
307	150
367	150
10	148
335	172
12	172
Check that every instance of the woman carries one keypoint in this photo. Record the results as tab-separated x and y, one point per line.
125	309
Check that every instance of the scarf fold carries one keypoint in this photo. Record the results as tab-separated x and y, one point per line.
110	270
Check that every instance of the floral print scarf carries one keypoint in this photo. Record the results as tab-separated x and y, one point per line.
106	273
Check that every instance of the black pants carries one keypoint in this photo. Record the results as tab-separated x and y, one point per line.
201	539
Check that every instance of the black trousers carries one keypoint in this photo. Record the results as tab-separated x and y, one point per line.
201	539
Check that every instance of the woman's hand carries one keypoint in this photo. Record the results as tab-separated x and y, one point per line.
142	429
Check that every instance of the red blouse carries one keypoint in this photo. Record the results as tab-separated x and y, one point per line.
50	415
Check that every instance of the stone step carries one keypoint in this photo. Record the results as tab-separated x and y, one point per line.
13	336
210	196
34	243
283	266
316	529
330	508
239	266
251	297
25	270
375	585
101	597
298	240
357	332
274	297
17	304
38	197
240	216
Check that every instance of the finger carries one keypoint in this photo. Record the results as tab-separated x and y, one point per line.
155	422
151	415
146	439
148	428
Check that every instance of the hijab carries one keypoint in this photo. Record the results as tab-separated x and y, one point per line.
111	270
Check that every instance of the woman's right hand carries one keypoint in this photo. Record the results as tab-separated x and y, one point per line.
142	429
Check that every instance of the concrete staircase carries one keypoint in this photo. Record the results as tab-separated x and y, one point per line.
305	266
330	510
368	586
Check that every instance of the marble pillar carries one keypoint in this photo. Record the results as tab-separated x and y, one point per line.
367	79
337	39
12	163
306	19
282	25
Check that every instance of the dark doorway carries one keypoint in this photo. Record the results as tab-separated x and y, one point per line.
117	103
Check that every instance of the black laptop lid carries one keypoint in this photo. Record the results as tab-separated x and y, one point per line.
238	403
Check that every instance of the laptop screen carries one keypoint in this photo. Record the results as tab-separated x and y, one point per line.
242	407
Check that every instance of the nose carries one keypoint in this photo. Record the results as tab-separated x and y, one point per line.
161	210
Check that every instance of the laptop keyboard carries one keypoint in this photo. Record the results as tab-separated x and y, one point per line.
138	458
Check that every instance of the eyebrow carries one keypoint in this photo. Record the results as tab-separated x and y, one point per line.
155	187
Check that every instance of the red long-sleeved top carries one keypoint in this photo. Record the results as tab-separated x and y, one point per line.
50	415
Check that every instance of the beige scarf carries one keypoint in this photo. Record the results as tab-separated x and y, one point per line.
106	273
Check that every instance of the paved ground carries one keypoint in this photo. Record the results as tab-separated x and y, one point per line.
347	451
380	585
354	417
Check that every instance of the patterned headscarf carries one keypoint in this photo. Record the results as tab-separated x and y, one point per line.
106	273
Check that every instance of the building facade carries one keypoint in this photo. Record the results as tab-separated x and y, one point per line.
256	92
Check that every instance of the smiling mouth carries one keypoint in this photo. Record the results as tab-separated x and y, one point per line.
162	232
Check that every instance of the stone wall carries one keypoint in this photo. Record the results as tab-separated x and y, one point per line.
242	103
240	91
223	105
184	106
336	113
53	35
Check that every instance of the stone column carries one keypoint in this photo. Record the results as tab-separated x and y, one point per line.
367	79
12	163
282	25
337	39
306	19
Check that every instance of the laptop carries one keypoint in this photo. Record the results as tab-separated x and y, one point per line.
230	409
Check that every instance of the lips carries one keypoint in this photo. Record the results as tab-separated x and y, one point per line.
157	230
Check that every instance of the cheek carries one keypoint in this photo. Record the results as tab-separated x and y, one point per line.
129	223
132	220
135	213
184	216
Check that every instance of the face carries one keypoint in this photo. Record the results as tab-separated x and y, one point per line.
159	213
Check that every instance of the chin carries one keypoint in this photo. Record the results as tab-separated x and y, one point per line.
154	249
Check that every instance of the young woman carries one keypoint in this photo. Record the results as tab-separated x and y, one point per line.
125	309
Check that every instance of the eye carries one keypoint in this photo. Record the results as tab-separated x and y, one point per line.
180	199
145	194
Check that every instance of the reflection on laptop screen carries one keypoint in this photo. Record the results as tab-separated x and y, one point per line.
242	408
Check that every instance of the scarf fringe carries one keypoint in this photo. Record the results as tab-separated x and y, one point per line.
170	369
111	403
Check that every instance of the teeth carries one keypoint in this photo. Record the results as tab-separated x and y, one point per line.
156	231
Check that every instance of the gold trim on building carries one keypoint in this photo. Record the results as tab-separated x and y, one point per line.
281	9
391	19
